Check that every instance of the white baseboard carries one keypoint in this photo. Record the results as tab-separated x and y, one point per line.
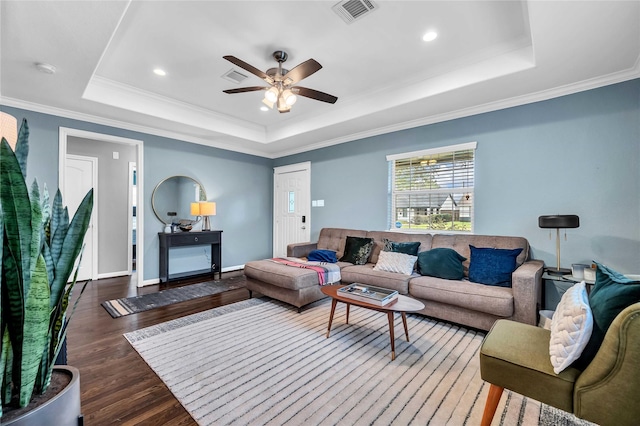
113	274
233	268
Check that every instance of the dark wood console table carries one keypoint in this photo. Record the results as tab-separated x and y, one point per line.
186	239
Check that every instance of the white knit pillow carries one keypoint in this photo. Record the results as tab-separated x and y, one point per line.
571	327
391	261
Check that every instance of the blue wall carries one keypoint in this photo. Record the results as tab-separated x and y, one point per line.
577	154
240	184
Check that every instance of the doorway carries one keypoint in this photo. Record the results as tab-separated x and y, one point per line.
291	206
82	175
64	135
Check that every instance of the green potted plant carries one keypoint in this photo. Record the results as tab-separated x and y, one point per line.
39	247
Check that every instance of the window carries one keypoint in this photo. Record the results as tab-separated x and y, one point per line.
433	189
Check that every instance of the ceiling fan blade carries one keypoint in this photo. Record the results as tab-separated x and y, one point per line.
253	70
245	89
314	94
301	71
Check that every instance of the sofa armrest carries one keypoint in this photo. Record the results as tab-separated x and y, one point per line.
300	249
527	291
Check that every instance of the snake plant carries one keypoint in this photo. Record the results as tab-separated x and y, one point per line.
39	247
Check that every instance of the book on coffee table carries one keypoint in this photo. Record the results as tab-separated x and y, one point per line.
369	294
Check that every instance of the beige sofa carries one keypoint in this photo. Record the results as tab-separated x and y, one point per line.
463	302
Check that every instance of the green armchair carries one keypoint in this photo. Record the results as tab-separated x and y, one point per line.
516	356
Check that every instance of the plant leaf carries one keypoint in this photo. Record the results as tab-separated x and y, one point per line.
16	210
36	326
36	220
59	225
22	147
73	241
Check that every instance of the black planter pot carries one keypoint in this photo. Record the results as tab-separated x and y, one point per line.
61	410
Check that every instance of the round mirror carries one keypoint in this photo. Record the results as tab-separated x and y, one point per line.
171	200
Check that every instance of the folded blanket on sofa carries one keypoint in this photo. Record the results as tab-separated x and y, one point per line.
328	273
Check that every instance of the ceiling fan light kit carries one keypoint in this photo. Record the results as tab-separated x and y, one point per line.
282	91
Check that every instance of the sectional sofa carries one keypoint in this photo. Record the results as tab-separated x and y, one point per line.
460	301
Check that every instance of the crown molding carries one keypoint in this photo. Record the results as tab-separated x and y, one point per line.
44	109
543	95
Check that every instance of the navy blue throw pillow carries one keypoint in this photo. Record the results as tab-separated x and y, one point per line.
492	266
328	256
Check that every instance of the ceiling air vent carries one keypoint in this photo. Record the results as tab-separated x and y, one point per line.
352	10
235	76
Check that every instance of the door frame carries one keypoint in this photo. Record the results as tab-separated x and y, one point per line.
298	167
64	133
132	168
94	211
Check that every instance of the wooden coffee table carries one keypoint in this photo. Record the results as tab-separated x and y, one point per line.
403	305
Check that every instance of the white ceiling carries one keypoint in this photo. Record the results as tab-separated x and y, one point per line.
488	55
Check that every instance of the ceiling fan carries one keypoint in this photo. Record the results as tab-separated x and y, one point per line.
282	91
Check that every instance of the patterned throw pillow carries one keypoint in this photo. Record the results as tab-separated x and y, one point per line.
357	250
391	261
571	327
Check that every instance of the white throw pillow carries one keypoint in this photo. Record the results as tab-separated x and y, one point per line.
391	261
571	327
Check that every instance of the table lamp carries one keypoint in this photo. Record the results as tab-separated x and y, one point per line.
559	221
204	209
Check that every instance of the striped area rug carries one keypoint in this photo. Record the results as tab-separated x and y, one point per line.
259	362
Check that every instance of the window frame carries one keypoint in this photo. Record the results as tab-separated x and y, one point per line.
392	160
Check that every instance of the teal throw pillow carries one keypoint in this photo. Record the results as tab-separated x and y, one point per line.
492	266
442	263
611	294
357	250
410	248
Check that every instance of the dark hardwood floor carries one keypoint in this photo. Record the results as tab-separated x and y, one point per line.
117	386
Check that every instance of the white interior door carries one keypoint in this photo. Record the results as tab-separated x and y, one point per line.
81	174
291	206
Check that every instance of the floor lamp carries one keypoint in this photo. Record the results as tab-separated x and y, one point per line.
559	222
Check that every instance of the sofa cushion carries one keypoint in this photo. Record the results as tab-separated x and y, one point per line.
442	263
492	266
281	275
489	299
391	261
357	250
365	274
398	237
461	242
335	239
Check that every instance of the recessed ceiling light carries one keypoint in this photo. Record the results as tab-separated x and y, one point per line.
160	72
430	36
264	108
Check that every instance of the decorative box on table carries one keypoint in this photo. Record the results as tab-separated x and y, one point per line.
369	294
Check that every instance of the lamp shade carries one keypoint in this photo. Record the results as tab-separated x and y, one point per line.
195	209
208	209
559	221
